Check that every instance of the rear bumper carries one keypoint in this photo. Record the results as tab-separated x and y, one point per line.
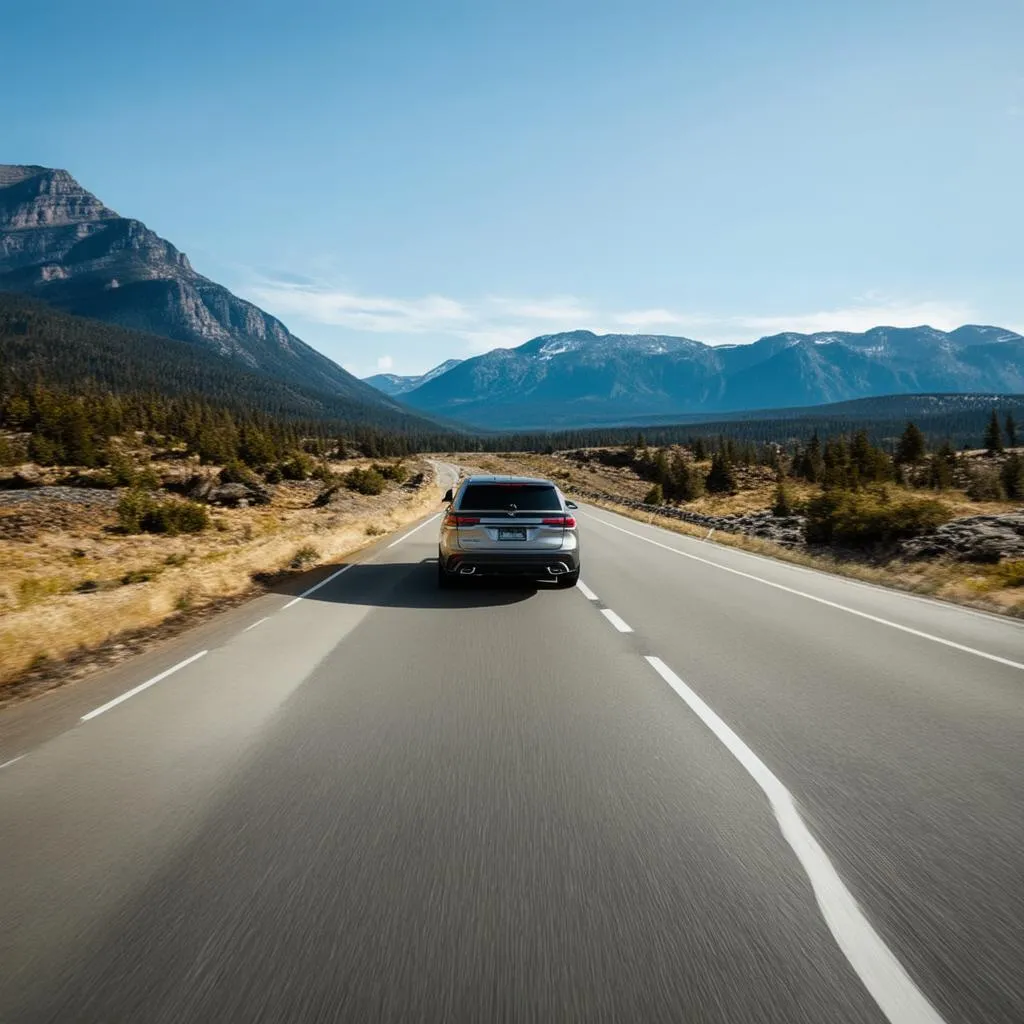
533	564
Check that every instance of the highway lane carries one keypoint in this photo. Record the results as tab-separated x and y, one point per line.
387	802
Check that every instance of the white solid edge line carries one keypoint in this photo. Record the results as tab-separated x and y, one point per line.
12	760
585	591
413	530
323	583
615	620
876	965
142	686
903	595
258	622
819	600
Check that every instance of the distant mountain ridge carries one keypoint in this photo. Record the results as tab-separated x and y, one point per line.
395	384
61	244
579	378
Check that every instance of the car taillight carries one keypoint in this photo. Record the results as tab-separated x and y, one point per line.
567	521
453	520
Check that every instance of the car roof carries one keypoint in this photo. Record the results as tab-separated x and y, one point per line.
480	479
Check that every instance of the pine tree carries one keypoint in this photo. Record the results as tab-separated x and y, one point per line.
720	478
1011	431
836	459
809	465
661	468
910	448
688	481
700	450
993	435
940	471
784	504
1012	477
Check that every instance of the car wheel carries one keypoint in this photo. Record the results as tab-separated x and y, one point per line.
568	579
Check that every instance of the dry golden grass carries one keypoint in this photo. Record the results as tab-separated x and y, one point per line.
70	590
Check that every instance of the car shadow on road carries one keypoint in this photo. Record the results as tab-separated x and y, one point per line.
400	585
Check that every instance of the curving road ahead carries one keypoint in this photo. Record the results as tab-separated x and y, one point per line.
704	787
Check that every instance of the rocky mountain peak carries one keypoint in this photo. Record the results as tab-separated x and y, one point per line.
60	243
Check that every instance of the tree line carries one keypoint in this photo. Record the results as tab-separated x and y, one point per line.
847	462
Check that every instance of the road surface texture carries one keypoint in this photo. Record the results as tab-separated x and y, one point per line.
704	787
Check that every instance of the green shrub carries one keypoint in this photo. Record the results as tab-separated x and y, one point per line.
654	496
235	472
365	481
174	517
863	518
139	512
1010	574
147	479
304	556
8	456
134	504
396	472
298	467
985	485
43	451
120	468
273	475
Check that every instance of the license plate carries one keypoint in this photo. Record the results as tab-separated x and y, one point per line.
514	533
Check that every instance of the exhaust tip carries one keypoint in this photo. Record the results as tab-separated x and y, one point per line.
558	570
467	570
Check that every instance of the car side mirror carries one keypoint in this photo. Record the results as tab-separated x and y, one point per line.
448	497
572	505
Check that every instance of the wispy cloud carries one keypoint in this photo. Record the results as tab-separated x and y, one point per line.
480	325
491	322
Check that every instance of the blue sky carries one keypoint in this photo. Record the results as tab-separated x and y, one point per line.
406	182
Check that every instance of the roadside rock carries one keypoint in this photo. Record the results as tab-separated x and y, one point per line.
199	486
233	495
24	477
326	496
972	539
178	478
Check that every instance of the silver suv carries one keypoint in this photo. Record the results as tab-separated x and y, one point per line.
508	526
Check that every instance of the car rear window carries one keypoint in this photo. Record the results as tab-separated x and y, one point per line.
501	497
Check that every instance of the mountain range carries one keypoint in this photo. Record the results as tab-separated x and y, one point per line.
394	384
62	245
580	378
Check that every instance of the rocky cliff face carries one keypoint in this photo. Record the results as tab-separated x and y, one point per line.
60	243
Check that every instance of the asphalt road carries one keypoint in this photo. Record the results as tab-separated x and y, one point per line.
779	796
